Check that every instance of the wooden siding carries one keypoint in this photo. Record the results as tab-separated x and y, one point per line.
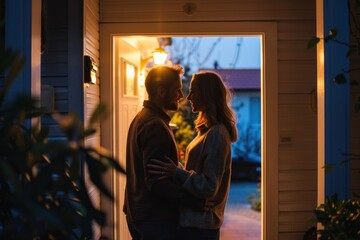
92	91
296	80
211	10
297	123
355	117
54	62
355	127
354	114
68	38
61	65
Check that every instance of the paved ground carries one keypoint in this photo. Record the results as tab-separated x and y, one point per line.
241	222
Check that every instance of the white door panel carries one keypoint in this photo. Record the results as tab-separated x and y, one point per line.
126	105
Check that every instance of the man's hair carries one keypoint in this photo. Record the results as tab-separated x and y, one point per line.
161	76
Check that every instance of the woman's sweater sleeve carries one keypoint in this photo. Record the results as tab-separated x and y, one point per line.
215	157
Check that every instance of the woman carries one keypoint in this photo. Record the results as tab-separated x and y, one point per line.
207	160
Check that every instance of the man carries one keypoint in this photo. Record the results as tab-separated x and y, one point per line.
151	206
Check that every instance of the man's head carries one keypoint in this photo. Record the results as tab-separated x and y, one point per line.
164	87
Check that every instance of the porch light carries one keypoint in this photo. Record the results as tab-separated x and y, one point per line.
159	56
90	70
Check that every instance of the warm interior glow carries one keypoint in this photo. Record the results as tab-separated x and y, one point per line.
130	71
160	56
93	74
320	104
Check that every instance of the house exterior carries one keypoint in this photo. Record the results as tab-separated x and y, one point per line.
303	126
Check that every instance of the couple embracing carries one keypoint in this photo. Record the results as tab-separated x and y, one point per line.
166	201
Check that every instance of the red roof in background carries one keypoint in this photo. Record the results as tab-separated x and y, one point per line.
239	79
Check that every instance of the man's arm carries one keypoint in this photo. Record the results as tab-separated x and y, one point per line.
158	143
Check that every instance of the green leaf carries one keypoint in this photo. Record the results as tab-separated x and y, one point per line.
105	158
76	165
87	132
109	161
15	68
99	216
99	114
333	33
357	4
351	51
327	38
344	162
7	59
7	172
96	169
68	123
43	190
42	134
313	42
34	114
340	79
71	213
328	167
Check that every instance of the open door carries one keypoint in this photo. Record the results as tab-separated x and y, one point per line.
127	102
128	93
269	103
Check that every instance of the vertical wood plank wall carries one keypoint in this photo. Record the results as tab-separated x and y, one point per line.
297	80
92	91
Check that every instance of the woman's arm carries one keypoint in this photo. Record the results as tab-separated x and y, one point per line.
216	157
207	168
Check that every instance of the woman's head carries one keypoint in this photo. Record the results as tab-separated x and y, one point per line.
210	96
209	91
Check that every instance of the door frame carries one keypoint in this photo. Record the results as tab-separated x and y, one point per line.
269	99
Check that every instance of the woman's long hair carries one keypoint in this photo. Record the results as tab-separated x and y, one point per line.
217	98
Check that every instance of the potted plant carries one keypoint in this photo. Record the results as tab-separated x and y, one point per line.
340	219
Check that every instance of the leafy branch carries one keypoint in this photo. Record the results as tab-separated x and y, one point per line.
353	7
43	189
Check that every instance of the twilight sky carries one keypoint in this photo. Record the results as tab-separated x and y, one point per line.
230	52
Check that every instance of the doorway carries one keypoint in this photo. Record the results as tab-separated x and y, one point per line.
237	60
267	32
